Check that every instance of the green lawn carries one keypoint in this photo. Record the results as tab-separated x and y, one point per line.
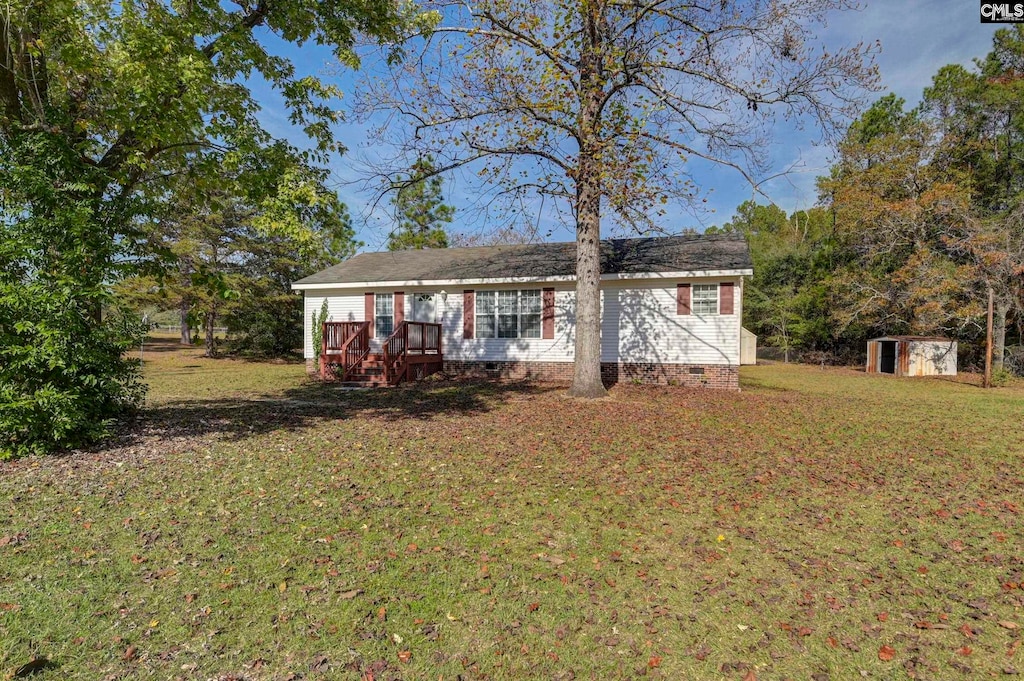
821	524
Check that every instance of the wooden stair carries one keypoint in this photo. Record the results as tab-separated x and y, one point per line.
411	352
369	373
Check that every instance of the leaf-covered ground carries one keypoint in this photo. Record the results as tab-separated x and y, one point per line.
821	524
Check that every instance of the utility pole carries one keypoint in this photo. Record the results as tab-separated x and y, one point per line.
988	342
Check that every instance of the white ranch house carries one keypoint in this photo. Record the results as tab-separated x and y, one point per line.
671	311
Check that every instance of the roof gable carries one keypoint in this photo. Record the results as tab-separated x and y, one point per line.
690	253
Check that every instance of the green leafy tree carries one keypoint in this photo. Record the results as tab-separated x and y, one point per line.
99	103
218	266
785	301
420	210
265	318
600	104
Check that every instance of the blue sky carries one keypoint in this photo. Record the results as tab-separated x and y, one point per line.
917	38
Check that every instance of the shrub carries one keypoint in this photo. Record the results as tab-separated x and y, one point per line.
265	327
1001	377
64	378
318	328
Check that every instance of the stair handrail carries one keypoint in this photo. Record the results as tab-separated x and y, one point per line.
395	348
355	349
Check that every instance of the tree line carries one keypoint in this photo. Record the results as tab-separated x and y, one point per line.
920	216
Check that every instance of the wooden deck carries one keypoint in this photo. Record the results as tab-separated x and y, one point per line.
412	352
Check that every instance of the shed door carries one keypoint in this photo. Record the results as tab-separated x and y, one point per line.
887	362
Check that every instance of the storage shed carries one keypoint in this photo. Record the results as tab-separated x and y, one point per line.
912	356
748	347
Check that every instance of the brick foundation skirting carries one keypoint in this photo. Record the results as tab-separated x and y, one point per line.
690	375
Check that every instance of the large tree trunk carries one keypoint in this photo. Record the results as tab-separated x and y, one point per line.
587	366
999	314
586	380
186	330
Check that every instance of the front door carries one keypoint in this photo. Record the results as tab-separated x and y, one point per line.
424	307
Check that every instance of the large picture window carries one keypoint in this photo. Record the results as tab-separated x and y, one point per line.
705	299
508	314
384	315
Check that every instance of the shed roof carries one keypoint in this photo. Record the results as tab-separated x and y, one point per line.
689	253
937	339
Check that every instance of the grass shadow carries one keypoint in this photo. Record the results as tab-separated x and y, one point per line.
163	344
302	406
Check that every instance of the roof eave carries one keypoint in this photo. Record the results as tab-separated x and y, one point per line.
621	276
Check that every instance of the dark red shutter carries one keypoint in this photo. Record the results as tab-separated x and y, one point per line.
399	308
683	299
468	313
368	311
548	314
725	293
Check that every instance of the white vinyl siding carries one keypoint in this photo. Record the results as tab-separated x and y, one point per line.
639	324
343	306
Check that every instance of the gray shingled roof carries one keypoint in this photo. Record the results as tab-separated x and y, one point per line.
618	256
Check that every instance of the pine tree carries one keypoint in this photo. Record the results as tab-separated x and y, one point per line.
420	210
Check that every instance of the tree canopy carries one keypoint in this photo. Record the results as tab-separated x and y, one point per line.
100	105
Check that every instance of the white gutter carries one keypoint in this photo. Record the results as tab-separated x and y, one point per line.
517	280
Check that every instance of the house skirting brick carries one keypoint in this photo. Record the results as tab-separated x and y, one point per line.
716	376
313	368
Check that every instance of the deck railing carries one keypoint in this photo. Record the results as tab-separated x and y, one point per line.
345	344
421	340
